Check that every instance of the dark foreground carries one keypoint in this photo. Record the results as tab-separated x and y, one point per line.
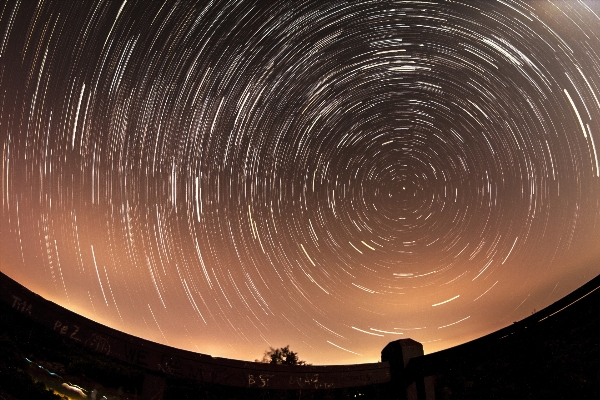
557	358
550	355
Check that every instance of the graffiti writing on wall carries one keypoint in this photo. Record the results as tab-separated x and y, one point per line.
70	331
21	305
260	381
309	381
98	344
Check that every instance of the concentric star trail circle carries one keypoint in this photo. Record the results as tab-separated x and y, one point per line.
233	175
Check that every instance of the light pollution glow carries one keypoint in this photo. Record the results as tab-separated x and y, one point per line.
228	176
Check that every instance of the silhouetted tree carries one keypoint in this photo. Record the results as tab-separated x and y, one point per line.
283	356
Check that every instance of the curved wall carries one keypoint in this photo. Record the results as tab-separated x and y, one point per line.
181	363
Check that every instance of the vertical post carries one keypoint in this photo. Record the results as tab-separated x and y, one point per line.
398	353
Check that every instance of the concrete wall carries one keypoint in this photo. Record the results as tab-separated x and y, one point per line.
161	359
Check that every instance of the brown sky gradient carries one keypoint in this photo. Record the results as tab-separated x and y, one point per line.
228	177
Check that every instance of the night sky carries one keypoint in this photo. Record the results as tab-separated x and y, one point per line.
226	176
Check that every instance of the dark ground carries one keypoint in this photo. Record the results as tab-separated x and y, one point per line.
558	358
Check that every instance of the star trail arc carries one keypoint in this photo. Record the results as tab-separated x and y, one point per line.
220	176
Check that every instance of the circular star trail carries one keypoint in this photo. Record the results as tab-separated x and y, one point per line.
233	175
